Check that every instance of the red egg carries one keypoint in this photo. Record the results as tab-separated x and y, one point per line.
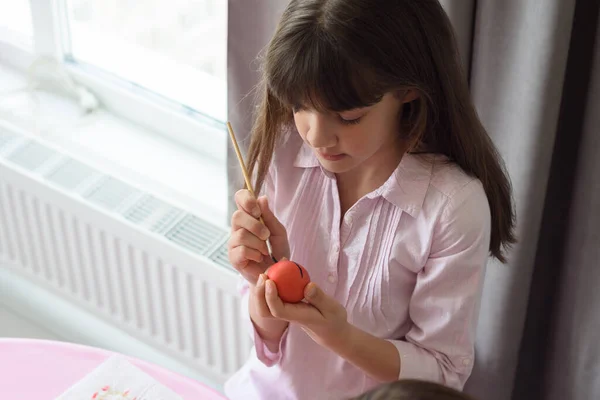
290	280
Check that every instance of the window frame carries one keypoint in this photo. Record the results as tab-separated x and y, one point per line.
175	121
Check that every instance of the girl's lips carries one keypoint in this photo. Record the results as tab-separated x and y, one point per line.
332	157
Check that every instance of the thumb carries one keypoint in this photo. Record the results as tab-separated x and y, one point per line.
315	296
271	221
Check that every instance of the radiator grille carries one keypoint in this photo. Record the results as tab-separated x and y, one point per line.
71	174
154	270
31	156
195	234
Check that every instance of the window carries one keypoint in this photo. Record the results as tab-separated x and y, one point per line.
15	18
160	64
174	48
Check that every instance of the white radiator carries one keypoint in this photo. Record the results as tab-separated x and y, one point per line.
156	271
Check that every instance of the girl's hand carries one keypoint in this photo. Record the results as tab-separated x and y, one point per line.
248	251
258	298
322	317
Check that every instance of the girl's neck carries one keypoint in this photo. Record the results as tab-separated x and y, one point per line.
368	176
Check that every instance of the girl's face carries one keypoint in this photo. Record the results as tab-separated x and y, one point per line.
346	140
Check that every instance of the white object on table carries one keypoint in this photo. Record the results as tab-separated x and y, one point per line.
118	379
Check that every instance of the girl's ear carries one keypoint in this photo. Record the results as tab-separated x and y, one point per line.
406	96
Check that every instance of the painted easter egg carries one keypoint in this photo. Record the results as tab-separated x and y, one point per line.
290	279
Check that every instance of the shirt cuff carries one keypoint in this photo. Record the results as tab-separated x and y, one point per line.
417	363
263	353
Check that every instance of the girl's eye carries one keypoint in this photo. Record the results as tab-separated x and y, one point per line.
350	121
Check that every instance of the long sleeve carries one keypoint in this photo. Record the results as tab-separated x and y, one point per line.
445	303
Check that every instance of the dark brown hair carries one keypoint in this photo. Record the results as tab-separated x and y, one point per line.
339	55
412	390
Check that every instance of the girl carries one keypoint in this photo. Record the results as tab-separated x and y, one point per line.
383	184
413	390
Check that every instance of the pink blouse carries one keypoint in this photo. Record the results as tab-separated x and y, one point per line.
407	261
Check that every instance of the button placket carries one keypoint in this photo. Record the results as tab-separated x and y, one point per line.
334	257
349	220
331	278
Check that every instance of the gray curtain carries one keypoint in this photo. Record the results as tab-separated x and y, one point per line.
571	363
534	69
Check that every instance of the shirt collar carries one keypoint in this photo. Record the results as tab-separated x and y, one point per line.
405	188
306	158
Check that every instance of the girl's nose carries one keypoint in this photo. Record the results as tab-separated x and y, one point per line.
320	133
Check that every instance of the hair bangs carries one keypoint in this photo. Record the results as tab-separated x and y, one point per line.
315	74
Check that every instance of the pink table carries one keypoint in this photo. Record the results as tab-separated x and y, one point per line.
42	370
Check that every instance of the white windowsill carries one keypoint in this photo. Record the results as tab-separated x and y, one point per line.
117	147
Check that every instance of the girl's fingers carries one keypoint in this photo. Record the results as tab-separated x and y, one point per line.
242	220
240	256
242	237
259	293
274	303
249	270
246	202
